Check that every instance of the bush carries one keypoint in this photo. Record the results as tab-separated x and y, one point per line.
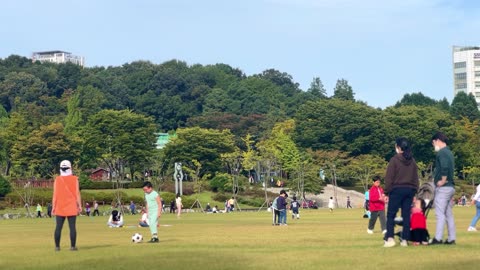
221	197
85	182
109	185
221	182
5	186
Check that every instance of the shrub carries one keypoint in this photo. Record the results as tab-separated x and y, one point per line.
5	186
221	182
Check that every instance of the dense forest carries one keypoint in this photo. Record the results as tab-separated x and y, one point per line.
224	122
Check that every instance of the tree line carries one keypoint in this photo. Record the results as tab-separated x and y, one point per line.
259	126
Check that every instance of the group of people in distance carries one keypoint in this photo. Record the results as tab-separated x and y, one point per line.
401	185
279	209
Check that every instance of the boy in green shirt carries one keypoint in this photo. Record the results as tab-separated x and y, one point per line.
154	209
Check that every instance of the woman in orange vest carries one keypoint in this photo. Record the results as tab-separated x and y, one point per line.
66	203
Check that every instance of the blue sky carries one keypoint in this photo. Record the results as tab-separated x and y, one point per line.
385	49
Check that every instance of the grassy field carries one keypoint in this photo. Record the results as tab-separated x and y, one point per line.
246	240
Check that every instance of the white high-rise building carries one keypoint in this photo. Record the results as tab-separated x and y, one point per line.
58	57
466	71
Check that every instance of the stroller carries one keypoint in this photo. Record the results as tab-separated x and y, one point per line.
426	192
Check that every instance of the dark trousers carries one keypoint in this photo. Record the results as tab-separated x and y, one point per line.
373	219
73	231
95	212
399	198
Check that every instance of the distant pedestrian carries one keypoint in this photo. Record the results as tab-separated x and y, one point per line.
132	207
87	209
331	204
39	210
476	202
95	208
367	197
178	202
172	206
349	205
66	203
294	206
377	206
282	207
49	210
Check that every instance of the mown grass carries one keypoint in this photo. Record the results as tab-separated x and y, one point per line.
246	240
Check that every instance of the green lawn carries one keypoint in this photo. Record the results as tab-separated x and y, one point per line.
319	240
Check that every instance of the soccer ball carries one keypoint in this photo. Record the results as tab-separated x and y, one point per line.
137	238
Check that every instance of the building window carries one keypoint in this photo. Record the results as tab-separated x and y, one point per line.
477	84
461	76
477	73
477	63
461	64
461	86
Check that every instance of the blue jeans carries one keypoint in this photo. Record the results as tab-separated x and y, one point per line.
283	216
402	198
477	216
444	212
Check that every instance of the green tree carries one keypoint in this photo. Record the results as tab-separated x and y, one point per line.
364	167
204	145
317	90
121	139
85	102
343	90
39	153
464	105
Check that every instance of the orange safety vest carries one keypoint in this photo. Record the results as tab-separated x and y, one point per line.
65	196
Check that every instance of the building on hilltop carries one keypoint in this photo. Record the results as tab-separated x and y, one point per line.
466	71
58	57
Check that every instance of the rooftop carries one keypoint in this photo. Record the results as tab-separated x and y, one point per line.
50	52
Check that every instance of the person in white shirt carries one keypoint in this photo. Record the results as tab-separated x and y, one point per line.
476	202
143	220
178	201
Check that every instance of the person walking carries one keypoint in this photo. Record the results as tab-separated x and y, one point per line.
95	208
66	203
154	209
401	184
349	203
87	209
476	202
49	210
377	206
444	190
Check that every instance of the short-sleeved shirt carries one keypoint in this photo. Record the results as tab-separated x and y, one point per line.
151	200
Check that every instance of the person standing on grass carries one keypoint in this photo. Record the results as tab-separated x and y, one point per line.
476	202
331	204
294	205
49	210
132	207
87	209
178	202
39	210
95	208
401	184
444	190
282	207
377	206
154	209
349	203
66	203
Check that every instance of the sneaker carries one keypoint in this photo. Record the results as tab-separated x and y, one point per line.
471	229
450	242
389	243
404	243
369	231
384	231
73	249
434	241
153	240
57	248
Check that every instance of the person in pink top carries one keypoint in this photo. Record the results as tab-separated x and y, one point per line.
376	206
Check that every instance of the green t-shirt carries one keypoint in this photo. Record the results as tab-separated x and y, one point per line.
151	200
444	166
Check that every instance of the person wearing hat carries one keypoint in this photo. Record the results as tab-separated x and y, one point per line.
282	207
66	203
376	206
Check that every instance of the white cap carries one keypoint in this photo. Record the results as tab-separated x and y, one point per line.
65	164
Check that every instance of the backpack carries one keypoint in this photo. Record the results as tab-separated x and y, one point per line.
274	204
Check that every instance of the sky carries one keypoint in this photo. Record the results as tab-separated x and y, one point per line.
385	49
